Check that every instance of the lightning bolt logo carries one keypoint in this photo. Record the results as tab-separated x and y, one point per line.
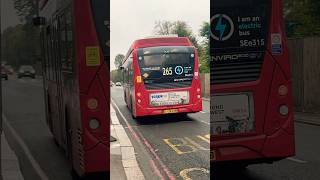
220	27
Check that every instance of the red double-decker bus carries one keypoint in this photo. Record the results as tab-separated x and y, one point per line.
251	110
161	76
76	80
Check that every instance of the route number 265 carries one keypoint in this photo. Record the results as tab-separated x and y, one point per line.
167	71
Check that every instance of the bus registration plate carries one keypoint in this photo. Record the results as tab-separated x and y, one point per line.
170	111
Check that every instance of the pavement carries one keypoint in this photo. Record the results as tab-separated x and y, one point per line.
123	160
307	118
10	167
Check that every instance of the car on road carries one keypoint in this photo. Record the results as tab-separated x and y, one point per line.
9	69
4	73
26	71
118	83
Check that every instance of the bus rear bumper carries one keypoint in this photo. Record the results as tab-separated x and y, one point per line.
191	108
257	148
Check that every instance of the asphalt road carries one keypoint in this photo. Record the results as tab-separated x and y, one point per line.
170	146
173	145
23	108
304	166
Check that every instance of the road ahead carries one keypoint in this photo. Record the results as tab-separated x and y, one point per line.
175	146
23	108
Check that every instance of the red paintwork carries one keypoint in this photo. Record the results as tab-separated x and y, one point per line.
274	135
143	108
90	148
93	83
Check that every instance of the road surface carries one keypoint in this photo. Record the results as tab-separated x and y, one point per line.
177	147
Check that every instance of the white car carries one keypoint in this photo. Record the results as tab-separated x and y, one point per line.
118	83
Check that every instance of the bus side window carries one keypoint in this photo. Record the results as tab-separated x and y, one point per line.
63	34
130	67
54	50
49	51
69	41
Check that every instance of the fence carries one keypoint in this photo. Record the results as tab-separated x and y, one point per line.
305	66
205	84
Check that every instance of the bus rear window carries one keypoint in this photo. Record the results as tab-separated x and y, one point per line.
101	18
165	64
239	26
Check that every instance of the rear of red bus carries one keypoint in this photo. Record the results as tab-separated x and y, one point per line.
251	105
91	139
166	77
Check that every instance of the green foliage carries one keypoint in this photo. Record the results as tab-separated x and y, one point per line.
302	17
116	76
20	45
118	60
204	50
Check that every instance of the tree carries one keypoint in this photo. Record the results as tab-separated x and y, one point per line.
118	60
205	30
181	28
26	9
116	76
204	48
302	17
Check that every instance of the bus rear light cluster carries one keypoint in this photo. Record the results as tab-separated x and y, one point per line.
199	96
283	90
196	75
284	110
139	100
139	94
92	104
198	90
94	124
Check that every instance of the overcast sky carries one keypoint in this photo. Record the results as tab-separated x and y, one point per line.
8	15
134	19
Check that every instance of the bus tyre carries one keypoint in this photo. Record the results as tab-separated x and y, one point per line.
131	109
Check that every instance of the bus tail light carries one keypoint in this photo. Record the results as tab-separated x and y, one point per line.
94	124
196	75
92	104
284	110
198	96
198	90
283	90
139	94
139	101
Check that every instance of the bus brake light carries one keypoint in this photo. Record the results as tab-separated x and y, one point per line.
283	90
92	104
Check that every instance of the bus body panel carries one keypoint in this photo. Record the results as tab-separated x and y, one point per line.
272	130
69	92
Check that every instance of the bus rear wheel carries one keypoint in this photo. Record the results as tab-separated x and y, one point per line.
131	109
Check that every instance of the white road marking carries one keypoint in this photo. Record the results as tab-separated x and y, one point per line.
297	160
26	150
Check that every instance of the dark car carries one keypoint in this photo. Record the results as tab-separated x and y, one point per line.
26	71
4	73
